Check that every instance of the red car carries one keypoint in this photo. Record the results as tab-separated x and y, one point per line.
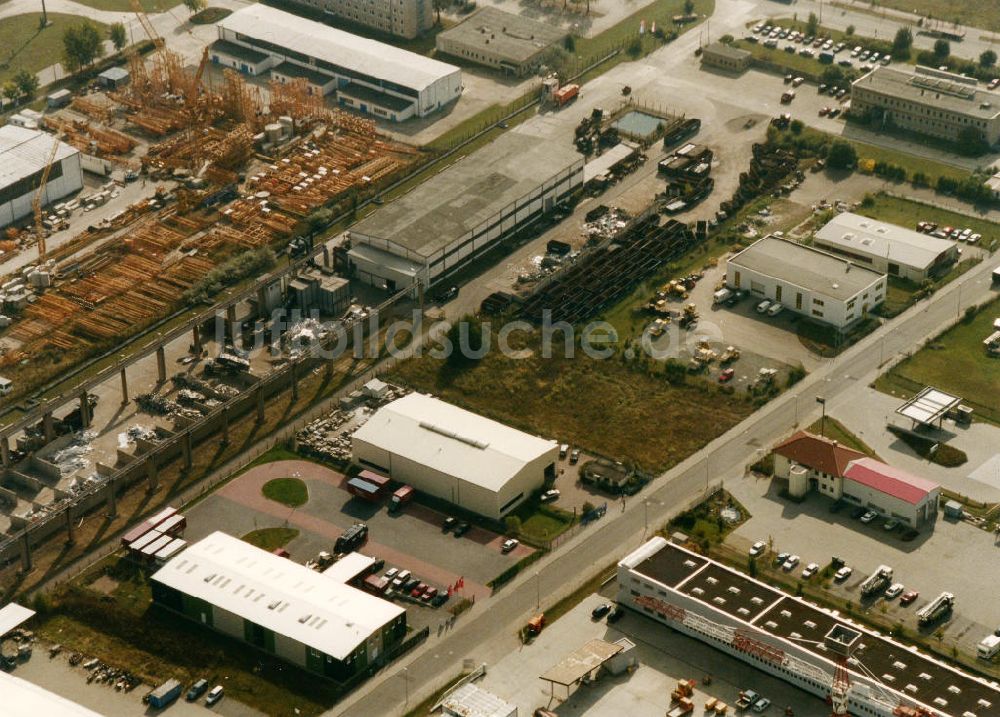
908	597
727	375
419	590
429	594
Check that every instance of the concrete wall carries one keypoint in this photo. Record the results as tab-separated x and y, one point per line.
807	302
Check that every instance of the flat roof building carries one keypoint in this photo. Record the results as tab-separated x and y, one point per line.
23	156
26	699
725	57
368	76
454	217
505	41
814	463
281	607
807	281
402	18
470	700
792	639
454	454
928	101
886	248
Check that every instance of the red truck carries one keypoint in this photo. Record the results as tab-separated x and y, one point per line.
565	94
401	497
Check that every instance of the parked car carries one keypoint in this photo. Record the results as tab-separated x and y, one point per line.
461	529
439	599
410	584
763	306
391	573
834	111
775	309
837	563
792	561
810	570
909	597
824	111
616	614
418	590
762	704
197	690
601	610
574	457
842	574
893	591
550	495
757	548
401	579
890	525
509	545
429	594
858	512
780	558
563	450
447	294
215	695
727	375
449	523
869	516
994	83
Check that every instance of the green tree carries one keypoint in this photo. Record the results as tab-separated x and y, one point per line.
971	142
849	31
812	24
440	5
988	59
82	44
569	44
194	6
10	91
902	43
513	525
118	36
942	48
467	341
842	155
27	83
727	39
796	126
674	371
688	7
832	75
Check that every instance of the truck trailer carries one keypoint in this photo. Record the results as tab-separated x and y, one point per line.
877	582
936	609
401	497
164	695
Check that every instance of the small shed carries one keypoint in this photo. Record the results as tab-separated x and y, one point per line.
469	700
953	509
114	77
59	98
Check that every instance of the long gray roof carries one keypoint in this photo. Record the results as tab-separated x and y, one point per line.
936	89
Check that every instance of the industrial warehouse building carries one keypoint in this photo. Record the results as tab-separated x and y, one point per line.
457	215
725	57
928	101
810	462
368	76
793	640
402	18
515	44
25	699
454	454
23	157
886	248
308	618
806	281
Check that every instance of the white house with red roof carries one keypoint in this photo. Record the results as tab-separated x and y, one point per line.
809	462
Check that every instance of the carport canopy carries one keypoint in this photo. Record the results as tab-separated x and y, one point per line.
580	663
13	615
929	406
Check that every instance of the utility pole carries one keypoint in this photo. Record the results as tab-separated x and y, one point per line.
45	15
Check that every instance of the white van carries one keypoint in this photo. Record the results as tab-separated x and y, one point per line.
989	646
6	386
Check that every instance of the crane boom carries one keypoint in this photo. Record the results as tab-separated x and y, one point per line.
36	203
147	26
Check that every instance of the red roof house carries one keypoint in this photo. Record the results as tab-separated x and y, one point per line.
818	453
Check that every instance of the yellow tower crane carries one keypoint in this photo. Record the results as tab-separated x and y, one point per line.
36	203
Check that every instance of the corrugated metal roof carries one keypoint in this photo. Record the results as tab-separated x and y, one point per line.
25	699
278	594
890	480
25	151
861	235
452	440
341	48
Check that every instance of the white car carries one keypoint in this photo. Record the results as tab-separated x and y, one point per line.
974	239
757	548
792	561
775	309
843	574
214	695
894	590
763	306
401	578
509	545
762	704
869	516
810	570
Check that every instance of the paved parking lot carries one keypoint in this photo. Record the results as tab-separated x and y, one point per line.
953	557
240	507
664	656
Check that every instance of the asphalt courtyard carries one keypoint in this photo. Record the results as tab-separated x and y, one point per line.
240	507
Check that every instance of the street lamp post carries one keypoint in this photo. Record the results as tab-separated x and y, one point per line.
822	421
406	685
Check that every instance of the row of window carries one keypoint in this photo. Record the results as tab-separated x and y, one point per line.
914	108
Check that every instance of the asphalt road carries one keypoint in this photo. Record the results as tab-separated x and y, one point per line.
488	631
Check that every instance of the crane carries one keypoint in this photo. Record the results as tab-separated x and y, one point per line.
147	26
192	94
36	202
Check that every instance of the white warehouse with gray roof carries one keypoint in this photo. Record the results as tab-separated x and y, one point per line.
456	455
23	156
886	248
806	281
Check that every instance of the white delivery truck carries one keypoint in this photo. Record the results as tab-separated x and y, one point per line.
989	646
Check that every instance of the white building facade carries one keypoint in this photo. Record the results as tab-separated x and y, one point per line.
806	281
369	76
403	18
23	156
454	454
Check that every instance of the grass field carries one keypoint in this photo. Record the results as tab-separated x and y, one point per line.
907	212
975	13
628	414
290	491
541	523
954	362
27	48
124	6
270	539
835	430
